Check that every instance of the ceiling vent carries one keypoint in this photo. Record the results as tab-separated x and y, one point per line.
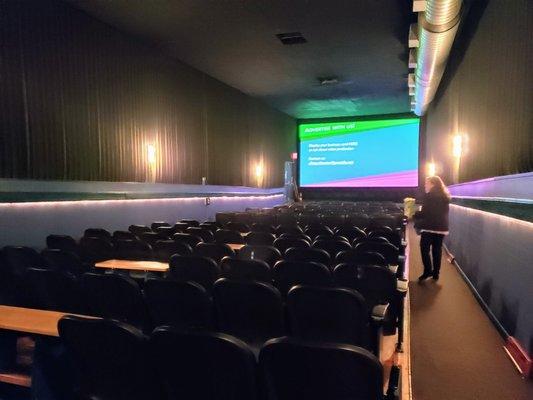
291	38
330	80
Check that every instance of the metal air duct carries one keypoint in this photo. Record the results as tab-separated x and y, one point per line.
437	28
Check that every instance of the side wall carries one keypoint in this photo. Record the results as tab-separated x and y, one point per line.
80	100
495	251
27	223
486	95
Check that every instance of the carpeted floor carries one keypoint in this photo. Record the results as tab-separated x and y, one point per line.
456	353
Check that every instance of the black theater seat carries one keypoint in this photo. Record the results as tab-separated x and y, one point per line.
268	254
18	259
370	239
55	290
189	222
125	235
180	227
62	242
260	238
96	249
291	273
247	270
228	236
111	359
282	244
165	231
332	246
214	251
138	229
203	366
133	250
263	227
387	250
350	233
377	285
288	228
209	225
164	249
318	229
251	311
296	236
115	296
151	237
309	254
336	315
363	258
158	224
191	240
202	270
293	369
238	227
178	303
393	237
64	261
206	234
97	233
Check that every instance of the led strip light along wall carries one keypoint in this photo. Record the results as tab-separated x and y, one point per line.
28	224
129	201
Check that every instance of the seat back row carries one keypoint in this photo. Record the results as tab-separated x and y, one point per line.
251	310
116	361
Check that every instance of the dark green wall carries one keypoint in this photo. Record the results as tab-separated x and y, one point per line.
81	101
487	94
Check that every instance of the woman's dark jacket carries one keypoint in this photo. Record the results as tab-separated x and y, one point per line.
434	213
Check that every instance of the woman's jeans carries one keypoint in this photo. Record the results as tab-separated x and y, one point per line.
431	242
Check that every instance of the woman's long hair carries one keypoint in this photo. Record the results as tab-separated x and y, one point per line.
438	186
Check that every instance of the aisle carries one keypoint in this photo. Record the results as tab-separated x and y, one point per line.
456	353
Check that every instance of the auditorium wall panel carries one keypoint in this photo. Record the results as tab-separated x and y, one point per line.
80	100
485	95
27	223
494	252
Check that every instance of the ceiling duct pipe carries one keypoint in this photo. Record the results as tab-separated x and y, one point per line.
437	28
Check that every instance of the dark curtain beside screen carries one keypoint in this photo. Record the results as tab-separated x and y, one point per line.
80	100
487	95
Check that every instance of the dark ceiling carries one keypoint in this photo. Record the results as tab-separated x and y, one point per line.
361	42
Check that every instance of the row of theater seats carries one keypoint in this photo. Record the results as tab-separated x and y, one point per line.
317	283
314	243
113	360
328	213
253	311
253	263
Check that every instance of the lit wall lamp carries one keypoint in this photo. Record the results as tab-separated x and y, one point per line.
151	154
457	149
151	158
259	172
431	169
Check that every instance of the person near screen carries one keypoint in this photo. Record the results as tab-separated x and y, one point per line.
432	221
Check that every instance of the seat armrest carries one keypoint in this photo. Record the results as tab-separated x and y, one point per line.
393	269
379	311
402	285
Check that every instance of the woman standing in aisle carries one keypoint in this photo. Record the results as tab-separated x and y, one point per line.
432	221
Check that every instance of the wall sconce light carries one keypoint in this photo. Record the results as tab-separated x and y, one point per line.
151	154
259	171
457	149
431	169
